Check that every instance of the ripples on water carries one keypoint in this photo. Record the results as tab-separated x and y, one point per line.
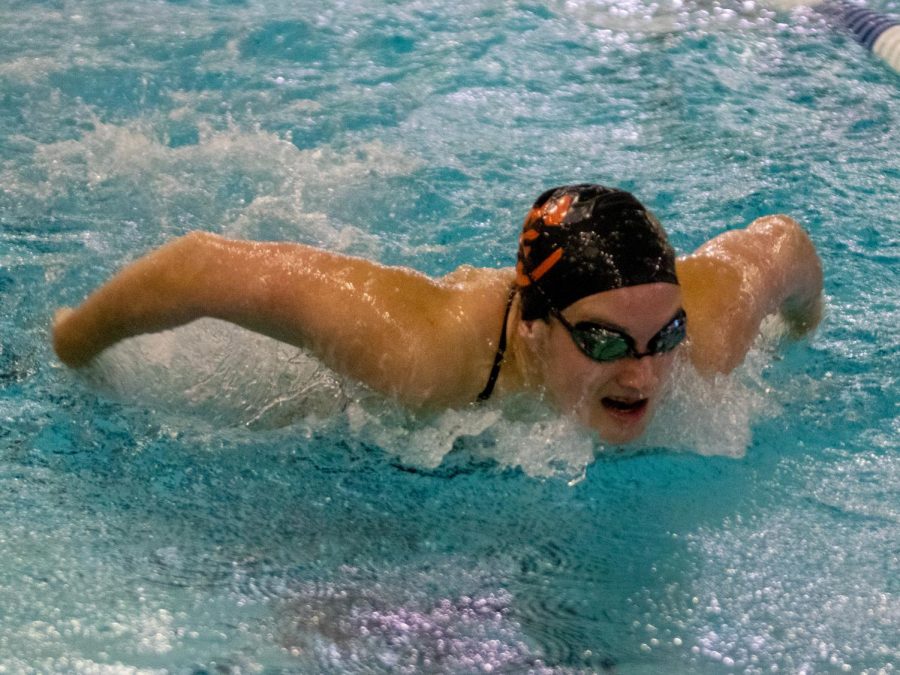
173	513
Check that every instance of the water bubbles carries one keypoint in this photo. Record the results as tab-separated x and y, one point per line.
348	622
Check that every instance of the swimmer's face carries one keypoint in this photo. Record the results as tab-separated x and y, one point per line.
615	398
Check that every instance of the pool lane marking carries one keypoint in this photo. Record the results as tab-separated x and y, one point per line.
877	32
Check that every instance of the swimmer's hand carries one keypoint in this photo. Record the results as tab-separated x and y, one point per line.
803	318
70	350
153	293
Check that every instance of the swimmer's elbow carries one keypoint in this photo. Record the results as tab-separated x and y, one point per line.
713	365
197	238
784	241
774	224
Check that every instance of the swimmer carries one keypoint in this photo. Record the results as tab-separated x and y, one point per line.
591	318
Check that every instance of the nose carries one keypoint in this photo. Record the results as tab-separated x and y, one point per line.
639	374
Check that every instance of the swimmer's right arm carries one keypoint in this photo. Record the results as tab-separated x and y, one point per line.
375	323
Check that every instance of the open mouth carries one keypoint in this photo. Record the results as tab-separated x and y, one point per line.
624	406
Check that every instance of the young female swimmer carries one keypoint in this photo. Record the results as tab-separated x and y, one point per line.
591	317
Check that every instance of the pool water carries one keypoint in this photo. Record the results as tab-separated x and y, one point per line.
209	501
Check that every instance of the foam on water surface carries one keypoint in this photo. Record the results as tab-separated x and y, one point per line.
227	376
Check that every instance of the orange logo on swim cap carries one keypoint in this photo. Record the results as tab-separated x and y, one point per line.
554	210
546	265
551	213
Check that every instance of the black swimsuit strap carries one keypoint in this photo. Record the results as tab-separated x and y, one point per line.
501	350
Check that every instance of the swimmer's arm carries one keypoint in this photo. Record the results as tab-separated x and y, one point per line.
392	328
731	283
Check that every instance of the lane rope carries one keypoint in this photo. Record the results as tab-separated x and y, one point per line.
877	32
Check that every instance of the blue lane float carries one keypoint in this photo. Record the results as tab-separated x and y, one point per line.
879	33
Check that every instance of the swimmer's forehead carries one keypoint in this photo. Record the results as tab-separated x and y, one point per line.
624	309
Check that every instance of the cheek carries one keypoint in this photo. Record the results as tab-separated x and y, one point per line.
583	382
573	379
665	363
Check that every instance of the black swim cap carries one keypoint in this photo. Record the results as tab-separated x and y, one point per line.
584	239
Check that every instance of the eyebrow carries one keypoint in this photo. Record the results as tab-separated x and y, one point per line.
609	325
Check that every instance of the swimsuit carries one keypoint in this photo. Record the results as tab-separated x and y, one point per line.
501	350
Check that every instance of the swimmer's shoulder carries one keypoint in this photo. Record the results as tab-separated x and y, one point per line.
471	326
703	275
710	289
470	278
479	294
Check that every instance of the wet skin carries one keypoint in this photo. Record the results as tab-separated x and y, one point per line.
618	398
378	324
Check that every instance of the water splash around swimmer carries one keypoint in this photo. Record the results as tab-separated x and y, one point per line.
212	373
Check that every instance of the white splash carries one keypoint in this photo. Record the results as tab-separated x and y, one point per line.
227	376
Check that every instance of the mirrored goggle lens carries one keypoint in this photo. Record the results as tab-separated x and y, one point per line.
671	336
601	345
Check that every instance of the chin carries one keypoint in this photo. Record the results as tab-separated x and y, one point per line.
619	436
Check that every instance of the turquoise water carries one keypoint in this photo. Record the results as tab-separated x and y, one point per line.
206	501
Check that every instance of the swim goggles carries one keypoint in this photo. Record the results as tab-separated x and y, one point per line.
604	343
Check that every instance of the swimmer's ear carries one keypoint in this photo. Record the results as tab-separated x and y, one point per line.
532	332
526	328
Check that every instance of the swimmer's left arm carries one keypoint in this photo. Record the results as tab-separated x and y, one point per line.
735	280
